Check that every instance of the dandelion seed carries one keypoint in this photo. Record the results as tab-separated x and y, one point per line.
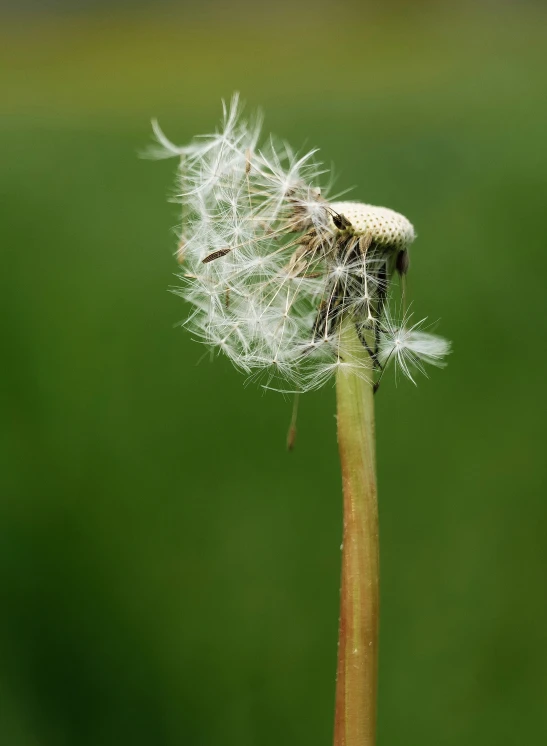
410	348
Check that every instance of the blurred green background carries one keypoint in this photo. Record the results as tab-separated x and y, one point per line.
168	573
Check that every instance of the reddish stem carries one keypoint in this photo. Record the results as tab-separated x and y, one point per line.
357	673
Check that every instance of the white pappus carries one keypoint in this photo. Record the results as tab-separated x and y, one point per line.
271	267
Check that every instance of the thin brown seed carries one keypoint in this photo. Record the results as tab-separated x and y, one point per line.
351	244
296	257
215	255
291	435
364	243
340	221
402	262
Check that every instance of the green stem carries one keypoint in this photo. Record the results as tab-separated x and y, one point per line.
357	673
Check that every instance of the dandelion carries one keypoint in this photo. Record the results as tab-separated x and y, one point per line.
294	286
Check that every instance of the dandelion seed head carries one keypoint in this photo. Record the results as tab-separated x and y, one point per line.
271	267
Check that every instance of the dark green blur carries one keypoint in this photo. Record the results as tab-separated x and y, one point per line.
168	573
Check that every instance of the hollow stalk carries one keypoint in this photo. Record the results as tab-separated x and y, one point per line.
357	670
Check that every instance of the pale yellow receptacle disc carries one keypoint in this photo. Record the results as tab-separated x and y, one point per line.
386	226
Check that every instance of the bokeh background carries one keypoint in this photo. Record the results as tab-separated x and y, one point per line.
168	572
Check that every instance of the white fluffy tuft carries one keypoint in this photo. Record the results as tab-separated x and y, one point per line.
270	266
410	348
